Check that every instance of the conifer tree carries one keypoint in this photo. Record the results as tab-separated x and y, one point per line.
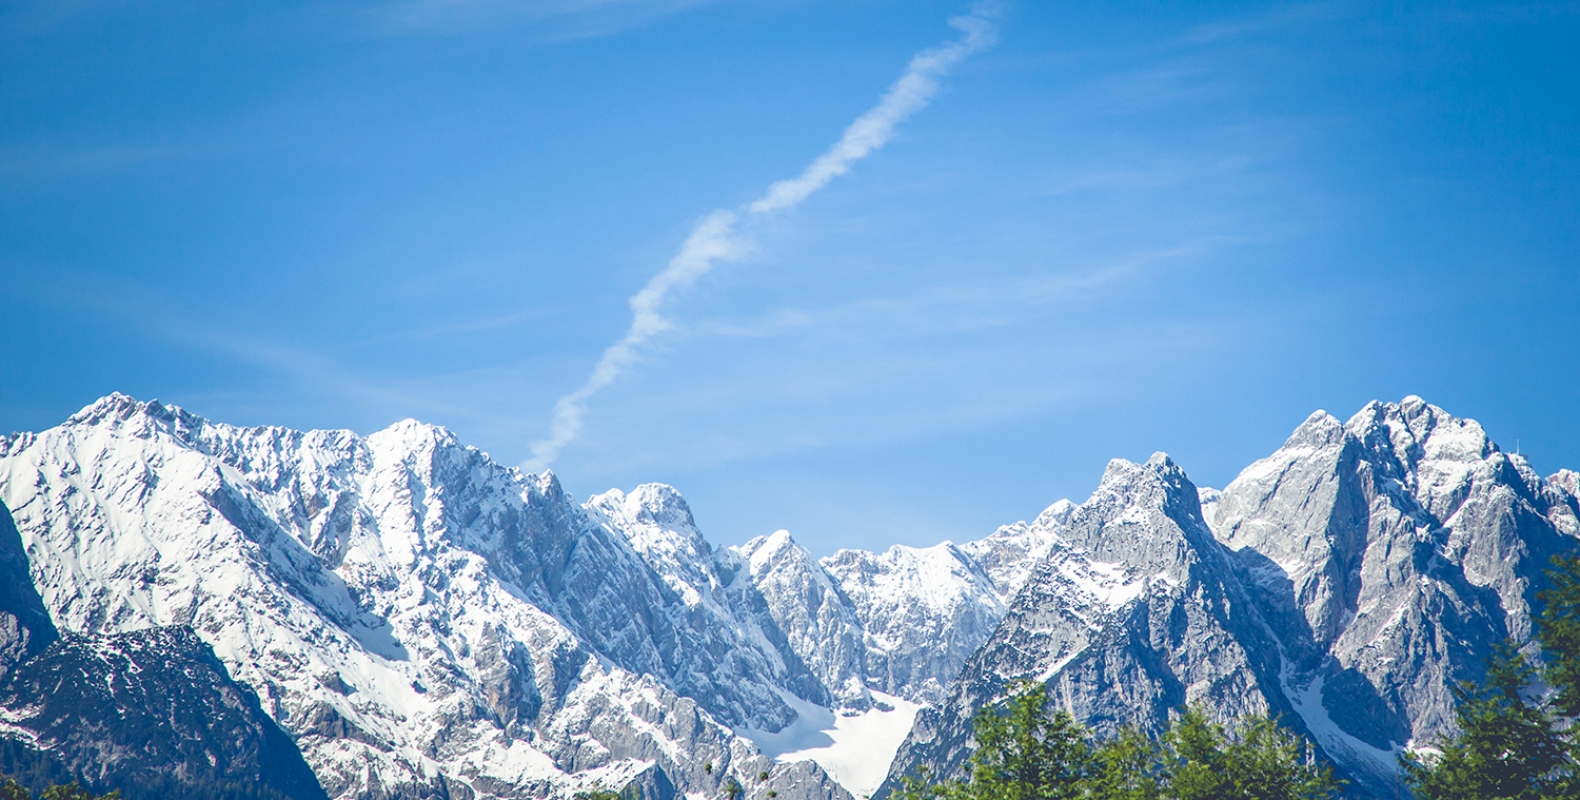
1026	753
1508	747
11	790
1558	629
1268	762
74	791
1127	767
1511	745
1194	758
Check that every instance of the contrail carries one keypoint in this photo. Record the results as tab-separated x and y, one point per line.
715	237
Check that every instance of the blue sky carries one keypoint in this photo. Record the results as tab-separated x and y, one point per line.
1127	227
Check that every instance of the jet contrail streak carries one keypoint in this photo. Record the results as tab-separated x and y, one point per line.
715	238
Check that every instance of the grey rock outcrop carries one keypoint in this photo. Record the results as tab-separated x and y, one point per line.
1134	612
788	591
1392	553
1347	582
25	626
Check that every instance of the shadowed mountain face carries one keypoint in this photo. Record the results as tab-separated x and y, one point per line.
152	713
1346	583
25	626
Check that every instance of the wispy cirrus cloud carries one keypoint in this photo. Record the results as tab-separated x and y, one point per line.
717	237
978	305
559	19
1265	21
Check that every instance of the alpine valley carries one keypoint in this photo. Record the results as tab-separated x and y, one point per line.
193	609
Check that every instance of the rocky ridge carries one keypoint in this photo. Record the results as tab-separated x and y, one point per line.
425	622
1344	583
1134	612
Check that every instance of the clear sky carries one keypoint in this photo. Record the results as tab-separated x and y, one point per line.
1127	227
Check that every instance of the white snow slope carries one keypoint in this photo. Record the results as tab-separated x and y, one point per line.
414	613
403	606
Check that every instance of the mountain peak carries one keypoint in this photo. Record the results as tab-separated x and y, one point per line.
139	419
412	435
111	406
1422	434
651	504
763	549
657	522
1055	514
1321	429
1158	476
1156	497
1568	480
662	504
116	408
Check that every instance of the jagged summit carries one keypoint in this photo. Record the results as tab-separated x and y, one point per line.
1566	481
1121	521
1347	582
1391	553
1319	430
1132	612
113	405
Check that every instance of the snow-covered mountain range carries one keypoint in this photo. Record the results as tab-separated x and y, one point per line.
420	618
420	621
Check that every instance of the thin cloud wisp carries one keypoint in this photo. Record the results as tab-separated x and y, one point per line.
716	237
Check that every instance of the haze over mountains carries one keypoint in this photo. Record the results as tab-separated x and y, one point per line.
407	618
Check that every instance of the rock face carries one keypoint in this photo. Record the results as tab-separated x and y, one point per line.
151	711
1134	611
421	620
154	713
923	612
1392	552
1345	583
425	622
25	626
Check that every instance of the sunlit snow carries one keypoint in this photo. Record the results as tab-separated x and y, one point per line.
854	750
1334	739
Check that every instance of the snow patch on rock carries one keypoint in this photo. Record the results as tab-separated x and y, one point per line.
853	747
